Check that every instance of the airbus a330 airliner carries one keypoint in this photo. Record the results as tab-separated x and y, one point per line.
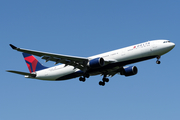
106	64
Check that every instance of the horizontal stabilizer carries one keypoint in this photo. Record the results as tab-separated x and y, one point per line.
22	73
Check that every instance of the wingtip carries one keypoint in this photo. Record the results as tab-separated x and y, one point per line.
8	70
12	46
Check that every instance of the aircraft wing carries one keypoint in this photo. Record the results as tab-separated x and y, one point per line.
77	62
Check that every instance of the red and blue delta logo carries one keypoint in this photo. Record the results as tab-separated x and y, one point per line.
31	62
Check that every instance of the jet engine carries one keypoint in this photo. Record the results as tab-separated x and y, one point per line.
129	71
96	63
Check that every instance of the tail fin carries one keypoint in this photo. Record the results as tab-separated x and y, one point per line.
32	63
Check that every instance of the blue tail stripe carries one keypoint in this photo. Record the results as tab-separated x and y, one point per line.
34	62
40	66
26	54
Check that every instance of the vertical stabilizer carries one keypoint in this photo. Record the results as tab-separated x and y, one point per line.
32	63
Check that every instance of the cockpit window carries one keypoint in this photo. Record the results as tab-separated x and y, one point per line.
166	42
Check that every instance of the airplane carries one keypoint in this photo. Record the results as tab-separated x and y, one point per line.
106	64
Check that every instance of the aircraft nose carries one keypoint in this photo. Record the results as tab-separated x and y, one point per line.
172	45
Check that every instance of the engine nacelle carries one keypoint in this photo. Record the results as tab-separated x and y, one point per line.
129	71
96	63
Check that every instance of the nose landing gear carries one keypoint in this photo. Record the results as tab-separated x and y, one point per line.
158	62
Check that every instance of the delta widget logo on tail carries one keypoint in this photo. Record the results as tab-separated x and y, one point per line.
32	63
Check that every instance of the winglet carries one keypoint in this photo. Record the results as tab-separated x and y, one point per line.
12	46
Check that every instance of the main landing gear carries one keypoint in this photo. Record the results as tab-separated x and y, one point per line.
158	62
83	79
102	83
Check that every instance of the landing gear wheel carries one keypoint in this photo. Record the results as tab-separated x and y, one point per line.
82	79
158	62
101	83
105	80
87	75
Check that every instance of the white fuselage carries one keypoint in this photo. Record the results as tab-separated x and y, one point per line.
134	53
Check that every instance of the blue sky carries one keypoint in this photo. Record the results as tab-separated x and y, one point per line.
84	28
